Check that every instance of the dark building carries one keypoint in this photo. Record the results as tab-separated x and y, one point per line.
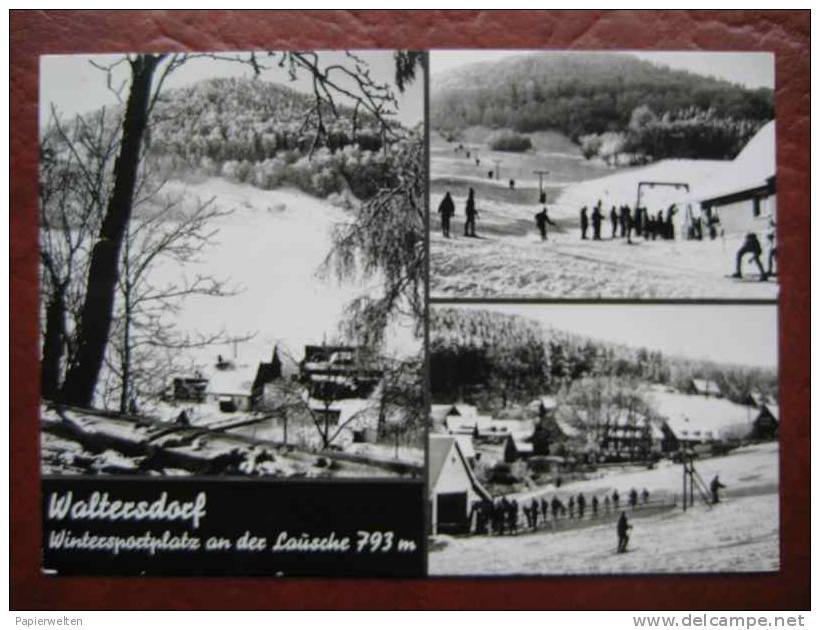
338	372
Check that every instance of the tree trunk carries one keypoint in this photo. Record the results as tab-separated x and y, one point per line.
97	312
53	344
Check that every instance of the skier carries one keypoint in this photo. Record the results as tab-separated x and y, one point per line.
647	225
595	507
645	496
613	218
534	511
512	515
615	498
771	236
582	504
638	222
671	211
584	223
597	217
571	505
555	505
750	246
471	212
715	487
541	220
544	508
446	209
626	224
606	504
633	498
623	532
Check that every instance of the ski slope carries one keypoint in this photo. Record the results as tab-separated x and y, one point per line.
739	534
510	260
271	248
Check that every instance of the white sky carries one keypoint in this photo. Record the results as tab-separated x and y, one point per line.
74	86
740	334
747	68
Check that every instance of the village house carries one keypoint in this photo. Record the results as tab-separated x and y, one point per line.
452	487
767	423
338	372
703	387
229	385
690	421
744	197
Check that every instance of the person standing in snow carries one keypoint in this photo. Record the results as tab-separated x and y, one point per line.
771	237
595	507
633	498
645	496
582	504
597	217
571	505
471	212
541	220
623	532
613	219
446	209
616	498
715	487
584	223
750	246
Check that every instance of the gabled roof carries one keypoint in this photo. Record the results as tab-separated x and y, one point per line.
694	417
704	386
439	448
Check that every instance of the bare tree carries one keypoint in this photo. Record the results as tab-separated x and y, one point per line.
147	342
75	166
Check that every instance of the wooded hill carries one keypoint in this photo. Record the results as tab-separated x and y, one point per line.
508	358
659	112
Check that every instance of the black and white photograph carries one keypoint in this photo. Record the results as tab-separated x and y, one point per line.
603	439
584	175
232	255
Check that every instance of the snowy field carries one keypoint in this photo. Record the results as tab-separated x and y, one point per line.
271	247
741	534
509	259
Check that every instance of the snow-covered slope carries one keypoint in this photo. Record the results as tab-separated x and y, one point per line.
271	247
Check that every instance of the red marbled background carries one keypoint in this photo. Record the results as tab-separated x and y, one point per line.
787	33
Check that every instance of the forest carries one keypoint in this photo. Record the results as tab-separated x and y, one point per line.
607	103
495	359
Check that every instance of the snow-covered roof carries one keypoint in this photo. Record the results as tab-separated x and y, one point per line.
439	412
566	428
232	382
750	169
773	409
692	417
547	403
460	409
522	441
707	179
621	188
439	449
465	443
704	386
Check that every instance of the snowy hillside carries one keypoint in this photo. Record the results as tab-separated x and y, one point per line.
271	247
739	534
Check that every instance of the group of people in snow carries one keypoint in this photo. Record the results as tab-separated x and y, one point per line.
503	516
447	209
625	221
